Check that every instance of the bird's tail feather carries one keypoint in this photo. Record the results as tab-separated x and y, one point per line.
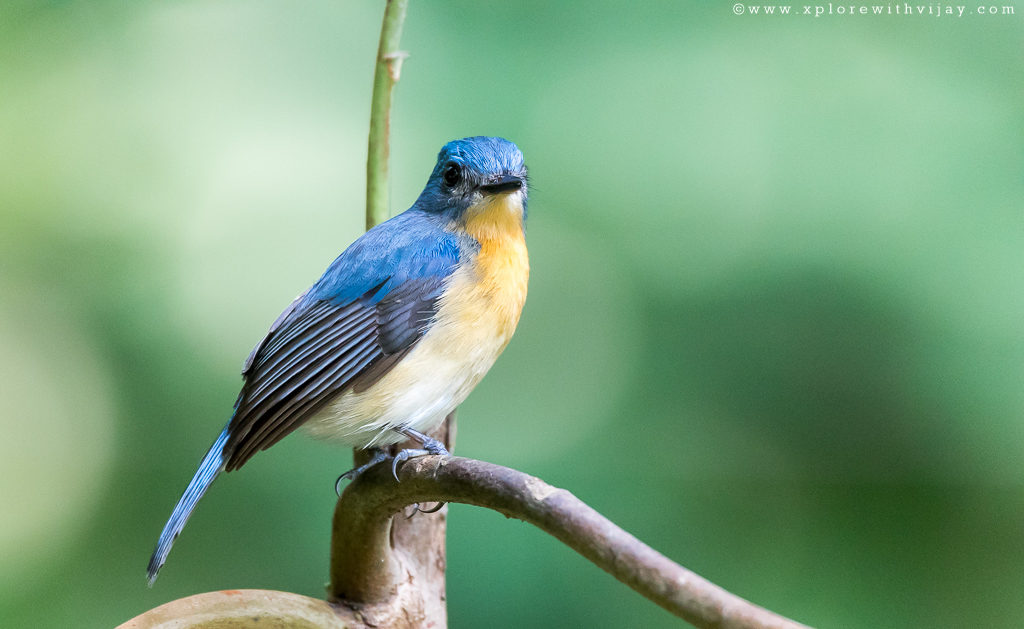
208	470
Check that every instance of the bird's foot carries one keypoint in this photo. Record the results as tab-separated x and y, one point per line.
430	446
416	508
378	457
434	510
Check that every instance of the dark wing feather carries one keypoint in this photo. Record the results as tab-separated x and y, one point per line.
405	311
319	349
402	316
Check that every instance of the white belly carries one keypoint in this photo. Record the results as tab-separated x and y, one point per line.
468	334
418	392
475	319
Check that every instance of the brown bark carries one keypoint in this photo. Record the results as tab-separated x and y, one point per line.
388	569
364	513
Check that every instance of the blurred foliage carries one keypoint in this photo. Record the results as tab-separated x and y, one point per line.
774	327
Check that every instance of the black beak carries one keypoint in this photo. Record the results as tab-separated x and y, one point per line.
502	183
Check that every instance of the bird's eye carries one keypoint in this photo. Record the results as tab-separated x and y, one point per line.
452	175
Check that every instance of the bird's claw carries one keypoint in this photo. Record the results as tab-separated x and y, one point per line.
430	446
352	474
405	455
417	509
434	510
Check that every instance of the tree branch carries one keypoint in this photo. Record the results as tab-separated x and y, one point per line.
365	569
245	608
400	563
384	569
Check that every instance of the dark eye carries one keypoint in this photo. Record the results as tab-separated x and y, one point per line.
452	175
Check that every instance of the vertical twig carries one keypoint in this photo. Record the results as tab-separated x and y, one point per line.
394	565
388	68
385	76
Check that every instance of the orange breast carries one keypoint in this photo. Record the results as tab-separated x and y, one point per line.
502	267
475	320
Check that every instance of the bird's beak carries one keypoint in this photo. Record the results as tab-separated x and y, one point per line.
502	183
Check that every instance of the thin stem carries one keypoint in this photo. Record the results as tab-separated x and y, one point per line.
388	68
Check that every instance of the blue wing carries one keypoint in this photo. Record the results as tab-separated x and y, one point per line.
368	310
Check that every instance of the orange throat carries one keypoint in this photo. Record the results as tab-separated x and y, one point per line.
502	267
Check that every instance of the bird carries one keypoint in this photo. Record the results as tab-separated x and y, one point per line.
397	331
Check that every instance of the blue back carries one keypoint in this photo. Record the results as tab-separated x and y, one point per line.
412	245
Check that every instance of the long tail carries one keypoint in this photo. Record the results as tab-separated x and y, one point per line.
208	470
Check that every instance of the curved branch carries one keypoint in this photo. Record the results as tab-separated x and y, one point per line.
365	570
244	608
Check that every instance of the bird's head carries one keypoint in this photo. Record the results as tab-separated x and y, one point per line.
478	179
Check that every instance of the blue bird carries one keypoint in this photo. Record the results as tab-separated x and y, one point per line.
398	330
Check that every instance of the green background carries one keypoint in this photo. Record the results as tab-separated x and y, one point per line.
775	315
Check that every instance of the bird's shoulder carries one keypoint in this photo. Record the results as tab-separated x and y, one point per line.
412	246
411	254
